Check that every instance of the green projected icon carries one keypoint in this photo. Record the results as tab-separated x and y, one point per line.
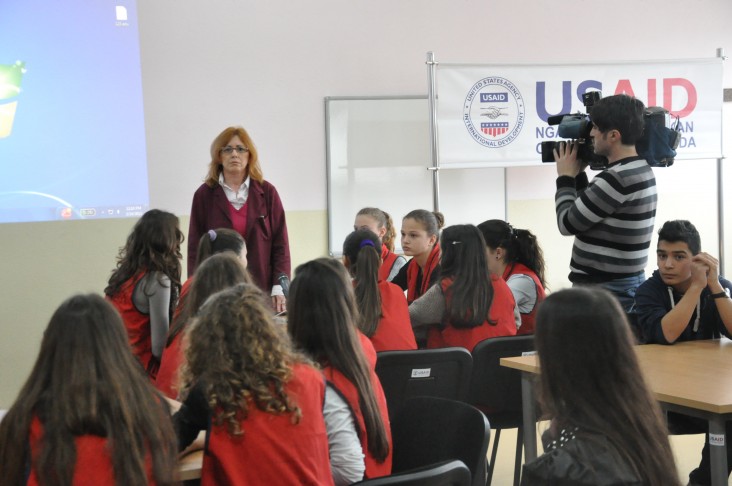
10	78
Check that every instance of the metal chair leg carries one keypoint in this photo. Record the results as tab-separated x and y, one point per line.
494	452
519	450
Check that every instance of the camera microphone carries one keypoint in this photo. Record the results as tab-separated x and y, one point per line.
284	282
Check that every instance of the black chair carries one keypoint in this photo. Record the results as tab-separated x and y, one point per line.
496	391
429	430
443	373
449	473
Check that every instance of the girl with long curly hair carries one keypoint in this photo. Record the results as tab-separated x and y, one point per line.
260	402
87	413
146	283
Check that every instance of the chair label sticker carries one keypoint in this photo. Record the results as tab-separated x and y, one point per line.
716	440
421	372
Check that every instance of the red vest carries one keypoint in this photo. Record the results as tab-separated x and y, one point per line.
374	469
368	349
528	321
170	363
387	261
136	323
413	271
93	463
501	312
395	328
274	450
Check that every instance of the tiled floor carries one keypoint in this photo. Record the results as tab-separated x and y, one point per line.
687	450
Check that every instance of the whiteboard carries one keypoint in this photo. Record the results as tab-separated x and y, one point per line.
378	154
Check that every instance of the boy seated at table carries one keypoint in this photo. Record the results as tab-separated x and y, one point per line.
685	299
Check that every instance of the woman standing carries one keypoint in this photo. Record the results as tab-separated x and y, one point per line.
606	427
87	414
470	304
235	195
515	255
146	283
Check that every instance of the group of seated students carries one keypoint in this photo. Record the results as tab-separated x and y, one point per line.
301	403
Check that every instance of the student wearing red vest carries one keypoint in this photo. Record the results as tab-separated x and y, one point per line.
146	283
515	255
383	310
87	413
420	240
216	273
380	223
235	195
260	402
321	311
469	304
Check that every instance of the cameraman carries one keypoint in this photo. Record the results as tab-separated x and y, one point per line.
612	217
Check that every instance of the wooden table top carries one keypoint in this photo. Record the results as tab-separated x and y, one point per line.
694	374
189	466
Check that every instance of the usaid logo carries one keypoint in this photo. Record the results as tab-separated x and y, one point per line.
494	97
498	116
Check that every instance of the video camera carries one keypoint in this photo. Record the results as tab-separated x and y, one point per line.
657	144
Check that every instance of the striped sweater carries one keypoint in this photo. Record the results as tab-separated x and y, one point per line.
612	219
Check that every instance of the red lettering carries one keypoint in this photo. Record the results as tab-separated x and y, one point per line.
624	87
651	92
668	86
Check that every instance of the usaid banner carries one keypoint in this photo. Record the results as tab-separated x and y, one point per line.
496	115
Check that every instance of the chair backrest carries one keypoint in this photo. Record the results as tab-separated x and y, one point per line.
443	373
492	386
449	473
428	430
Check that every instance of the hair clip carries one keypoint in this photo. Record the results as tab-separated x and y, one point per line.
456	242
366	243
212	235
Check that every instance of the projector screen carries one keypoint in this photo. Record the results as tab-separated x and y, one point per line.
72	135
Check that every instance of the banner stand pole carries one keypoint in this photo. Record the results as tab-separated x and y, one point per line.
432	101
720	189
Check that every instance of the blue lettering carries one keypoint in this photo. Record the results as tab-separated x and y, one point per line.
541	109
686	127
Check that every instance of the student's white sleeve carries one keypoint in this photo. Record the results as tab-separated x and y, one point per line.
346	456
523	289
153	295
429	308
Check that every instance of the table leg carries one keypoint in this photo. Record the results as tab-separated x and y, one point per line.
529	415
718	450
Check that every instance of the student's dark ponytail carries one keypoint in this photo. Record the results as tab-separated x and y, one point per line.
521	245
528	252
363	262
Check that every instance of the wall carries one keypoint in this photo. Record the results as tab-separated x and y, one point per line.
268	66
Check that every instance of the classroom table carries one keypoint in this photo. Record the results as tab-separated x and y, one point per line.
189	466
692	377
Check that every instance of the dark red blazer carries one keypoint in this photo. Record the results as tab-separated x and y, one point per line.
268	248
